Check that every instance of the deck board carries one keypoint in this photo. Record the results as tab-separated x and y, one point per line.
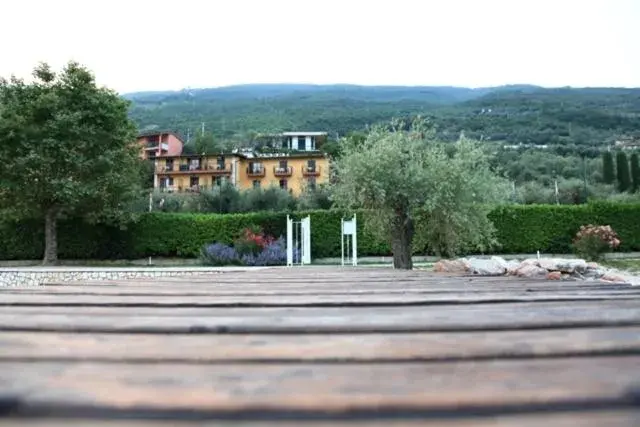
321	346
198	348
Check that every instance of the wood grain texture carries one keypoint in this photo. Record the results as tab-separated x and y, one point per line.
323	388
22	346
299	300
322	319
623	418
321	346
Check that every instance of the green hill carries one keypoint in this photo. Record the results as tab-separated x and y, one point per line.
513	114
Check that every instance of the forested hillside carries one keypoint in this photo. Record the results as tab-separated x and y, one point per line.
510	114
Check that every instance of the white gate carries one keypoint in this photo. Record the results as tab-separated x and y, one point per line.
298	241
349	228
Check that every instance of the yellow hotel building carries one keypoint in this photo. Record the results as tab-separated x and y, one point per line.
304	167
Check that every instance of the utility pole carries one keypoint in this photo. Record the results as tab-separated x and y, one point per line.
584	176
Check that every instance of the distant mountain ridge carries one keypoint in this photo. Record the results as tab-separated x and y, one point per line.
449	94
512	113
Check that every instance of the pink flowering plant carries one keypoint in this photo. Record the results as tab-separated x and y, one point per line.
593	241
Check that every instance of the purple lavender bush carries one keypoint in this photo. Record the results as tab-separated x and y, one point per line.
274	253
219	254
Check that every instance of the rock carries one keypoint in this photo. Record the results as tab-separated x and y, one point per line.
554	275
563	265
594	273
451	266
531	271
509	266
495	266
613	278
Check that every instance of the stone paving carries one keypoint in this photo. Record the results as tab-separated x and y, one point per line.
35	276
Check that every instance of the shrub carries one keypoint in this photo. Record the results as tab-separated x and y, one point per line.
274	253
519	229
592	241
252	241
219	254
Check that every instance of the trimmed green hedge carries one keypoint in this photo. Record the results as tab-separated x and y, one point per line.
521	229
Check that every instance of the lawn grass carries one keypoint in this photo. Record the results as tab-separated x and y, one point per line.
632	264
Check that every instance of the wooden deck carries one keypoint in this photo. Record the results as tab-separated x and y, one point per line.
321	347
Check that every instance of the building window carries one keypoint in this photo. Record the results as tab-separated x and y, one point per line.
313	142
194	164
166	182
169	165
256	183
282	165
283	184
194	181
311	165
301	143
255	168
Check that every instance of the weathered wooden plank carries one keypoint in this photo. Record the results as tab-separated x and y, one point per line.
333	388
255	280
322	319
621	418
9	299
22	346
346	289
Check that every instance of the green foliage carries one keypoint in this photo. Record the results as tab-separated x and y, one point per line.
228	199
635	172
582	117
205	144
67	148
269	199
551	229
519	229
312	199
396	172
622	168
608	170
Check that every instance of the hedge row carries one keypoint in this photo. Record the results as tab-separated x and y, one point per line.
521	229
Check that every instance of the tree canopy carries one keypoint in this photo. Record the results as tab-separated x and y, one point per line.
401	171
67	148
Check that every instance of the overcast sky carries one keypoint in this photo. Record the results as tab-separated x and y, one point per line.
134	45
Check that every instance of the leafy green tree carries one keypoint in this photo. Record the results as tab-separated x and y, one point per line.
635	172
622	166
67	148
205	144
399	173
608	169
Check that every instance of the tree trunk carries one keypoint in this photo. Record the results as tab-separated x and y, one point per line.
50	237
401	241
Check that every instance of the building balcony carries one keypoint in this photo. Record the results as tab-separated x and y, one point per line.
218	168
157	147
282	172
256	171
311	171
212	168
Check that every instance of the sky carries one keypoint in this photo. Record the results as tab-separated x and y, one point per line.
140	45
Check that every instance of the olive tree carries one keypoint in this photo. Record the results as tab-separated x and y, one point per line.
400	171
